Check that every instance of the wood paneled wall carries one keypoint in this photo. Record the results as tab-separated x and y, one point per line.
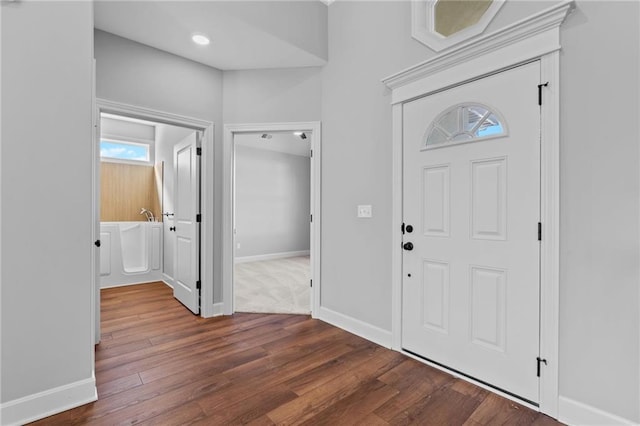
127	188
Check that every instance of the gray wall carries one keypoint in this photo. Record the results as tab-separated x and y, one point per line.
272	202
367	42
599	306
139	75
46	179
274	95
599	300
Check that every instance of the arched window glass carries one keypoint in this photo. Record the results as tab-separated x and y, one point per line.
464	123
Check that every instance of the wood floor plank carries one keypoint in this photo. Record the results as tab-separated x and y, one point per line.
355	407
308	405
158	364
119	385
444	406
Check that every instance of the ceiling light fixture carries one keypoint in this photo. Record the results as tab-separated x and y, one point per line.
200	39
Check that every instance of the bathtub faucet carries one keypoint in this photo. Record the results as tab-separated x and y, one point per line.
148	214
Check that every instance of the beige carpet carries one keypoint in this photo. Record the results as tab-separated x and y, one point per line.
273	286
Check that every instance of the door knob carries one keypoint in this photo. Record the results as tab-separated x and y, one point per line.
172	228
408	246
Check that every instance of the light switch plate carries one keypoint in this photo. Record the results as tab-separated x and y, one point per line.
365	211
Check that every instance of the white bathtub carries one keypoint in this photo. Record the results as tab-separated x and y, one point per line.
130	253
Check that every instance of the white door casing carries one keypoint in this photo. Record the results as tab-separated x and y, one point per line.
536	37
186	199
228	204
471	282
207	129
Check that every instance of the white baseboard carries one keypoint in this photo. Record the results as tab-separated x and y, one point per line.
49	402
218	309
355	326
271	256
144	281
576	413
167	280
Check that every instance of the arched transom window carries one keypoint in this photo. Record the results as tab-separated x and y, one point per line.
464	123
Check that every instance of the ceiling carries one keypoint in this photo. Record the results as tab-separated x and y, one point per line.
285	142
244	34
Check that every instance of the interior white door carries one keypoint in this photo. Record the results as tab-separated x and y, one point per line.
471	206
185	224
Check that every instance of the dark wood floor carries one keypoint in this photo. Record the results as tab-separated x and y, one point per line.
158	364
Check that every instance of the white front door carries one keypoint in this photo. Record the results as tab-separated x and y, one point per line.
185	224
471	207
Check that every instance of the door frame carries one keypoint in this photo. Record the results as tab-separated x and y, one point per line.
536	38
206	182
228	204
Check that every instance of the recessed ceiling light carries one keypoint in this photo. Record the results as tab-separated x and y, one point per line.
200	39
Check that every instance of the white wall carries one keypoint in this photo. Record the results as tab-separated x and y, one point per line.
272	202
599	306
599	258
166	137
274	95
139	75
46	178
367	42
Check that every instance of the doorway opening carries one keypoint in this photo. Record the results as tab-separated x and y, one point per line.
271	222
149	212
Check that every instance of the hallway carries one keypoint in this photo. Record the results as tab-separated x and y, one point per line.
159	364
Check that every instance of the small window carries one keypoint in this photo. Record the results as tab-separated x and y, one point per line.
464	123
128	151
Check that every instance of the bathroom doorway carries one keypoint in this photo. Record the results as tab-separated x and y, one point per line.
151	217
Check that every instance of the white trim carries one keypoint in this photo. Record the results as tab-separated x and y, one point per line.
355	326
228	243
49	402
423	25
522	41
95	217
576	413
218	309
133	111
533	38
550	244
167	280
130	283
396	220
206	226
272	256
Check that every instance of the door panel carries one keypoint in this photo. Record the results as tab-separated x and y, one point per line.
186	182
471	283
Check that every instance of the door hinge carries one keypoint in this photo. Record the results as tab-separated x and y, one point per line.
311	153
311	218
198	285
539	231
310	283
540	86
402	228
198	151
198	218
538	362
97	243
